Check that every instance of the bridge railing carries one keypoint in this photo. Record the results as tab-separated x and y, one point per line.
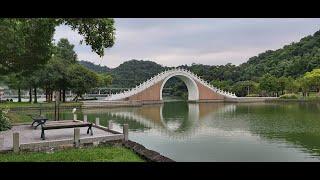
160	76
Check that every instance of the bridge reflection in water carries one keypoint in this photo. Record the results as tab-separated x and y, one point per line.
178	120
221	131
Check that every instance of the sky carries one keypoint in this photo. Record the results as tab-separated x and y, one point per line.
210	41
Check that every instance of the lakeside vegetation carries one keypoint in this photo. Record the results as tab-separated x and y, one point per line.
88	154
271	73
291	72
30	59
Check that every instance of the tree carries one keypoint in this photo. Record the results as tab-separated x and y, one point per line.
64	56
303	85
313	79
55	77
104	80
245	88
269	84
17	82
292	85
225	85
82	80
26	44
65	51
282	83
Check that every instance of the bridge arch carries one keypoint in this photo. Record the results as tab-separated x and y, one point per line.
193	91
151	90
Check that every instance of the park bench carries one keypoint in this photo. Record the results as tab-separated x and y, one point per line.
39	120
64	124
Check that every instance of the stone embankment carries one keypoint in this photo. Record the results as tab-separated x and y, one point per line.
149	155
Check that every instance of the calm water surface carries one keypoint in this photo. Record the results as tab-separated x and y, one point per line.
221	131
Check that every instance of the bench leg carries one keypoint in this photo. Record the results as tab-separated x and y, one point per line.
37	125
42	135
33	123
90	128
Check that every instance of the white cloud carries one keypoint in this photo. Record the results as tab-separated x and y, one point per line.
173	42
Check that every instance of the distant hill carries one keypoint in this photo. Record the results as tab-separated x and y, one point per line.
133	72
129	73
94	67
292	60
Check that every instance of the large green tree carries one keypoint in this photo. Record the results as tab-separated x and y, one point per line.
82	80
313	79
269	84
65	51
26	44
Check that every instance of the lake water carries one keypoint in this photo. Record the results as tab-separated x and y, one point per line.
221	131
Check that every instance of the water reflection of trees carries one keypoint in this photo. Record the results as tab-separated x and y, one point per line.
297	124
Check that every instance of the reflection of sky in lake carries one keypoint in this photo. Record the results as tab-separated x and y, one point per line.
222	132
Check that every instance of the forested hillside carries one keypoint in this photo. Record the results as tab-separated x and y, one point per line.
96	68
292	61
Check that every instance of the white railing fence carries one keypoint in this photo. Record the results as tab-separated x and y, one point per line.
161	76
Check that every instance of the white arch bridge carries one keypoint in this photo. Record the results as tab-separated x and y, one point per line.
151	90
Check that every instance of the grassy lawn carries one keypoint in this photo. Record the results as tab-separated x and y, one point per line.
18	117
90	154
45	105
22	116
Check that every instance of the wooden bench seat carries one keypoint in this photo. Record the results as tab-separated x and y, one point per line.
64	124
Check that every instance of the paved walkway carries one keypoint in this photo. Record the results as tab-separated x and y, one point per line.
31	135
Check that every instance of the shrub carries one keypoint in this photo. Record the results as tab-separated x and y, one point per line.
4	120
289	96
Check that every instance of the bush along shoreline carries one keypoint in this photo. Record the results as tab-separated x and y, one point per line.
4	120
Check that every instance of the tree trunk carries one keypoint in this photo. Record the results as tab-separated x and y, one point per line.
60	95
47	99
64	95
19	95
35	95
30	95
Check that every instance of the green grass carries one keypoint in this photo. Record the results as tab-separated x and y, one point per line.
90	154
18	117
32	105
22	116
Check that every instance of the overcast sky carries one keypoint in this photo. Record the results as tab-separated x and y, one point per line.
173	42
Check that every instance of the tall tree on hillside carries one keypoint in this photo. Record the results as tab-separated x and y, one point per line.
269	84
292	85
313	79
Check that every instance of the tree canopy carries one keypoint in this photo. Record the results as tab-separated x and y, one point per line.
26	43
